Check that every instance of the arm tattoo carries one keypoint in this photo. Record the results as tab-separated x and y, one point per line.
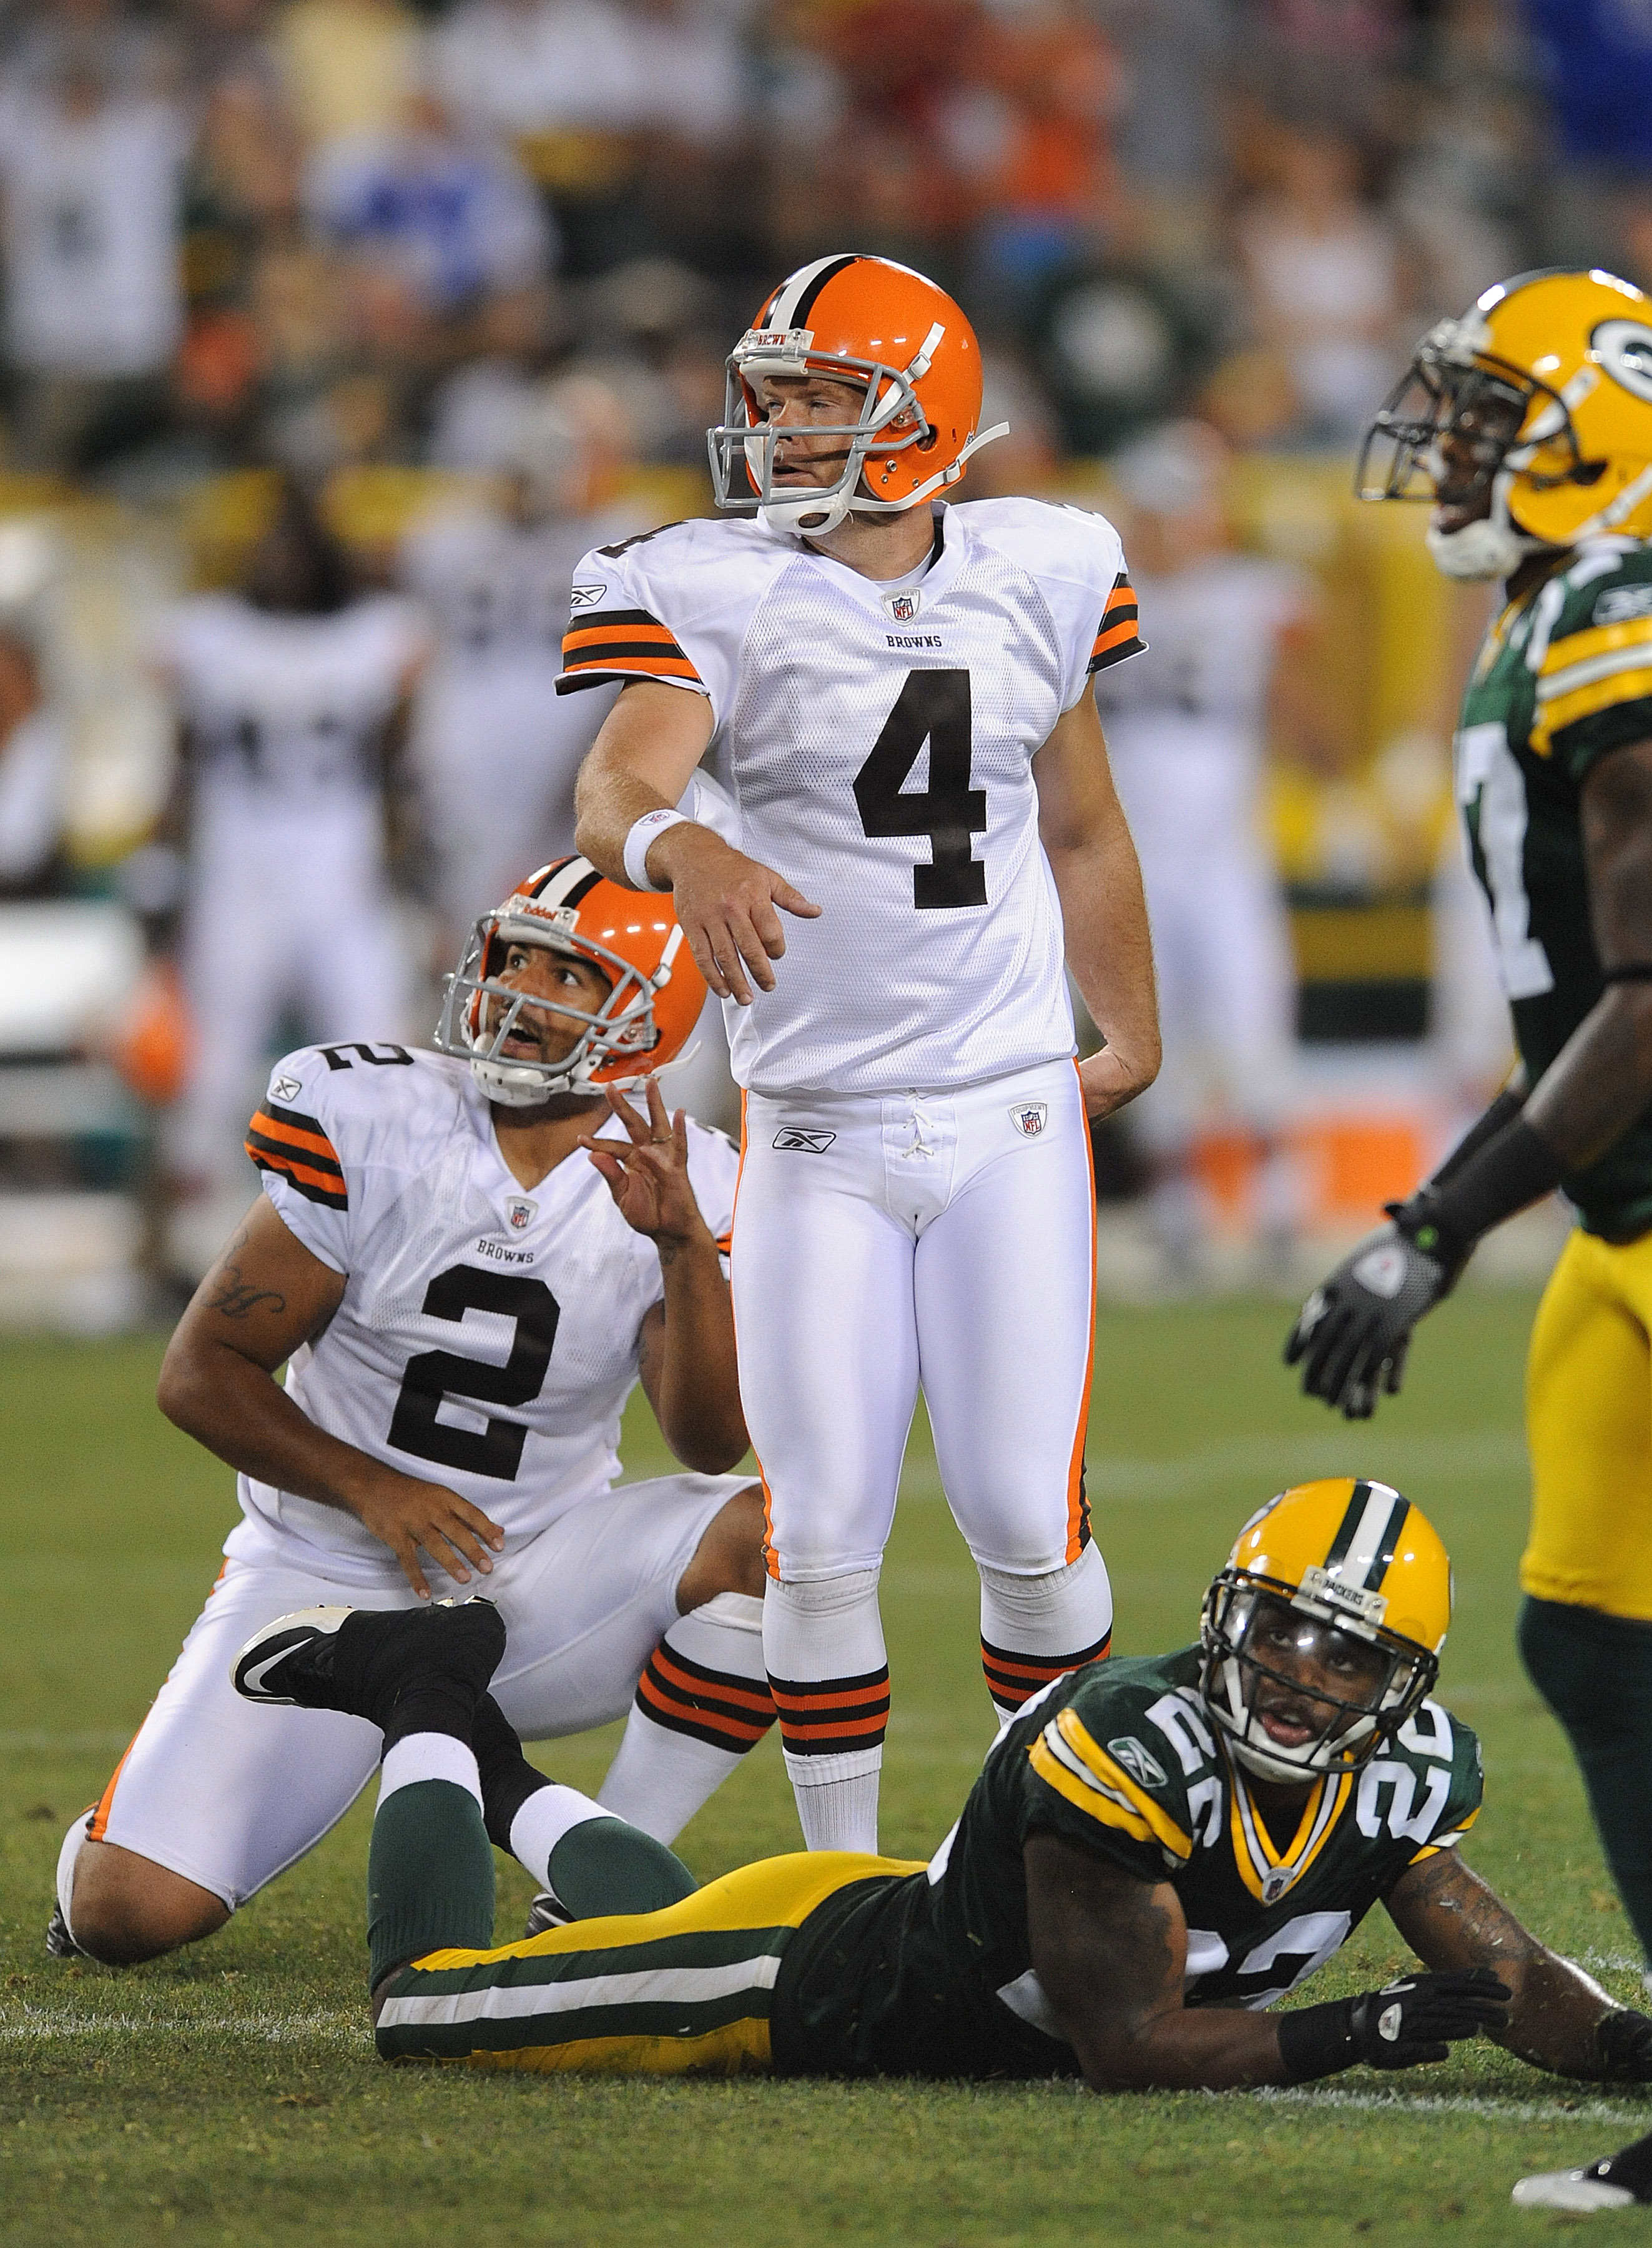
235	1298
1489	1932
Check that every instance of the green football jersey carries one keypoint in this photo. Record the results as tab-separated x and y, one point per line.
931	1973
1563	676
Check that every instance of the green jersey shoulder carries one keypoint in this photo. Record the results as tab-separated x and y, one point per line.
1120	1760
1563	678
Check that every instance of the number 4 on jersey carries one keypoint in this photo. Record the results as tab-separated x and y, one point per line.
933	706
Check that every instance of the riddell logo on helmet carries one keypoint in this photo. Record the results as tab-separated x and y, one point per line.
793	342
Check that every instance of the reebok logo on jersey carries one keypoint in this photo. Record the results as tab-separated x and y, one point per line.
1140	1762
903	606
587	597
1029	1117
791	1141
1618	604
285	1089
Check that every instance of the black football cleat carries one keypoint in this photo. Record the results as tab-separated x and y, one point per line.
59	1944
361	1661
547	1911
1620	2181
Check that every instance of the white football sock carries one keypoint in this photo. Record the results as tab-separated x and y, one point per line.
548	1815
703	1704
428	1756
73	1842
823	1642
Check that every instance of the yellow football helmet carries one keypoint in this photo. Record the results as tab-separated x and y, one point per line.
1544	389
1368	1586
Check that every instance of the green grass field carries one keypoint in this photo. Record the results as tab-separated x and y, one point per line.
232	2094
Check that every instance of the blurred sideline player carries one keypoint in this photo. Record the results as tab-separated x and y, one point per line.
1157	1850
893	698
1186	732
489	729
291	697
1528	423
463	1303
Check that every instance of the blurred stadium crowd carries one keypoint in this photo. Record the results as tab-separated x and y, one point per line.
381	312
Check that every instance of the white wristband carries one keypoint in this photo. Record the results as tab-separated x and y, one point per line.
637	842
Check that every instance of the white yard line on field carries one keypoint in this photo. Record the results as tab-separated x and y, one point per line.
1447	2103
33	2023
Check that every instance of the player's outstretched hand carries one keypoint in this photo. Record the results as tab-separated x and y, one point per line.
649	1178
411	1516
1416	2018
726	904
1351	1335
1421	2017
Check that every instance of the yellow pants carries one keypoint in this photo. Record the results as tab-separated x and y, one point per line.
1589	1429
686	1990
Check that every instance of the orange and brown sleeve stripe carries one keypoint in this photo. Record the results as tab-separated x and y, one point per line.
620	644
824	1717
1118	634
715	1706
298	1147
1013	1678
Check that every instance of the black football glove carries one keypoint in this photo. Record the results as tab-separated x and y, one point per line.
1624	2041
1418	2018
1351	1335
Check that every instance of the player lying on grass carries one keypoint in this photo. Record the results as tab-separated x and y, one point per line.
1155	1851
463	1301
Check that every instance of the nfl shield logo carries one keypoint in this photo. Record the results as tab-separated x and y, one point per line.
520	1214
903	606
1029	1117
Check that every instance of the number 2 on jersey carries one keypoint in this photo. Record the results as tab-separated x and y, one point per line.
435	1376
933	706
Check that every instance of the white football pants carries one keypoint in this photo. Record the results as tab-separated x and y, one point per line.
228	1792
946	1240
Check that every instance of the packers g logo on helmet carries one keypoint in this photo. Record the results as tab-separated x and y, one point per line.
1544	389
1358	1564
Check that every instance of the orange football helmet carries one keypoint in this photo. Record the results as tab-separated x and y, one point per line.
867	320
654	1003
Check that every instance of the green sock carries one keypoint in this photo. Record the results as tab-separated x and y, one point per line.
430	1876
1595	1673
603	1866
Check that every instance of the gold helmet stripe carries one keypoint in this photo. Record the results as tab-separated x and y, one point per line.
1367	1537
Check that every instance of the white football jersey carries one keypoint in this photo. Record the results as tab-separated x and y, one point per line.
488	1338
874	744
287	713
1185	725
